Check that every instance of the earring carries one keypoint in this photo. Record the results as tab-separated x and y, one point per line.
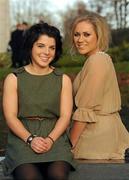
73	54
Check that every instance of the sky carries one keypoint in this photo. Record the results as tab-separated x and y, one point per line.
58	5
62	4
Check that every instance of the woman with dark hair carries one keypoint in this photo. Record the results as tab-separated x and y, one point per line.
38	145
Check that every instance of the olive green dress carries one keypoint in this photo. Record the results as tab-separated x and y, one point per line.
38	95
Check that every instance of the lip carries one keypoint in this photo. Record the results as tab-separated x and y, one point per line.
44	58
81	46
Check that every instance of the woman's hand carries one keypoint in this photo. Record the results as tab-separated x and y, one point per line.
49	142
76	131
39	145
73	142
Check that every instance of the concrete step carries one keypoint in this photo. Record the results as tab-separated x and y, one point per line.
2	177
94	170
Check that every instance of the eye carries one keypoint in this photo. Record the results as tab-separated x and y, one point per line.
76	34
86	34
53	47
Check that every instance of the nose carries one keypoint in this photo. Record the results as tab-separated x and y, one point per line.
80	39
46	50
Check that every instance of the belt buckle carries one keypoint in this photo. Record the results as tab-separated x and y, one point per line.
39	118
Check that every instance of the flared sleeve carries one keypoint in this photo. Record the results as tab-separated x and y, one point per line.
89	95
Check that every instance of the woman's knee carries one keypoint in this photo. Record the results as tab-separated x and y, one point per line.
27	172
58	171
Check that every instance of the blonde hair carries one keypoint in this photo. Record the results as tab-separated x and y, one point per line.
100	25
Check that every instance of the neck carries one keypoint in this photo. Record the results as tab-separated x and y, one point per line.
39	71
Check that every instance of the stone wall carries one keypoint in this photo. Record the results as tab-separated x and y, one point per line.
4	25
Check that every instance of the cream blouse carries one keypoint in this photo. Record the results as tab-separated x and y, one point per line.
96	89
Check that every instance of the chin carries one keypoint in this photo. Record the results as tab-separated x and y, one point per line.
44	65
83	52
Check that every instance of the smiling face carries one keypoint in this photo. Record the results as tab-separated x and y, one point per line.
43	51
85	38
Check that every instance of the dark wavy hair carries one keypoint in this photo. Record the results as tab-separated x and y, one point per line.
33	34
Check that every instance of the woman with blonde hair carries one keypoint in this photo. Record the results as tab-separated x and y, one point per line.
97	131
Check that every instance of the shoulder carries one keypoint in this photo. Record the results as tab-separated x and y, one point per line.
99	59
10	80
66	77
66	81
18	71
12	77
58	72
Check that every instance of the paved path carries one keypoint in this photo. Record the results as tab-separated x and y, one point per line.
95	170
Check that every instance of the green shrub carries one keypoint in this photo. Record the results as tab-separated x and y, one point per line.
122	67
120	53
70	61
5	62
5	59
119	35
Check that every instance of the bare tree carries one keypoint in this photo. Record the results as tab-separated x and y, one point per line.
121	8
29	10
126	12
114	10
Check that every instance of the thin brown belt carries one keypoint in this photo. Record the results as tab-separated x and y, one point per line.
39	118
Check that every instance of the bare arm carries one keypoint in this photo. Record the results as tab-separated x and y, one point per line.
76	131
10	107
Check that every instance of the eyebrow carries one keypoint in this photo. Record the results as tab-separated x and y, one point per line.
44	44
